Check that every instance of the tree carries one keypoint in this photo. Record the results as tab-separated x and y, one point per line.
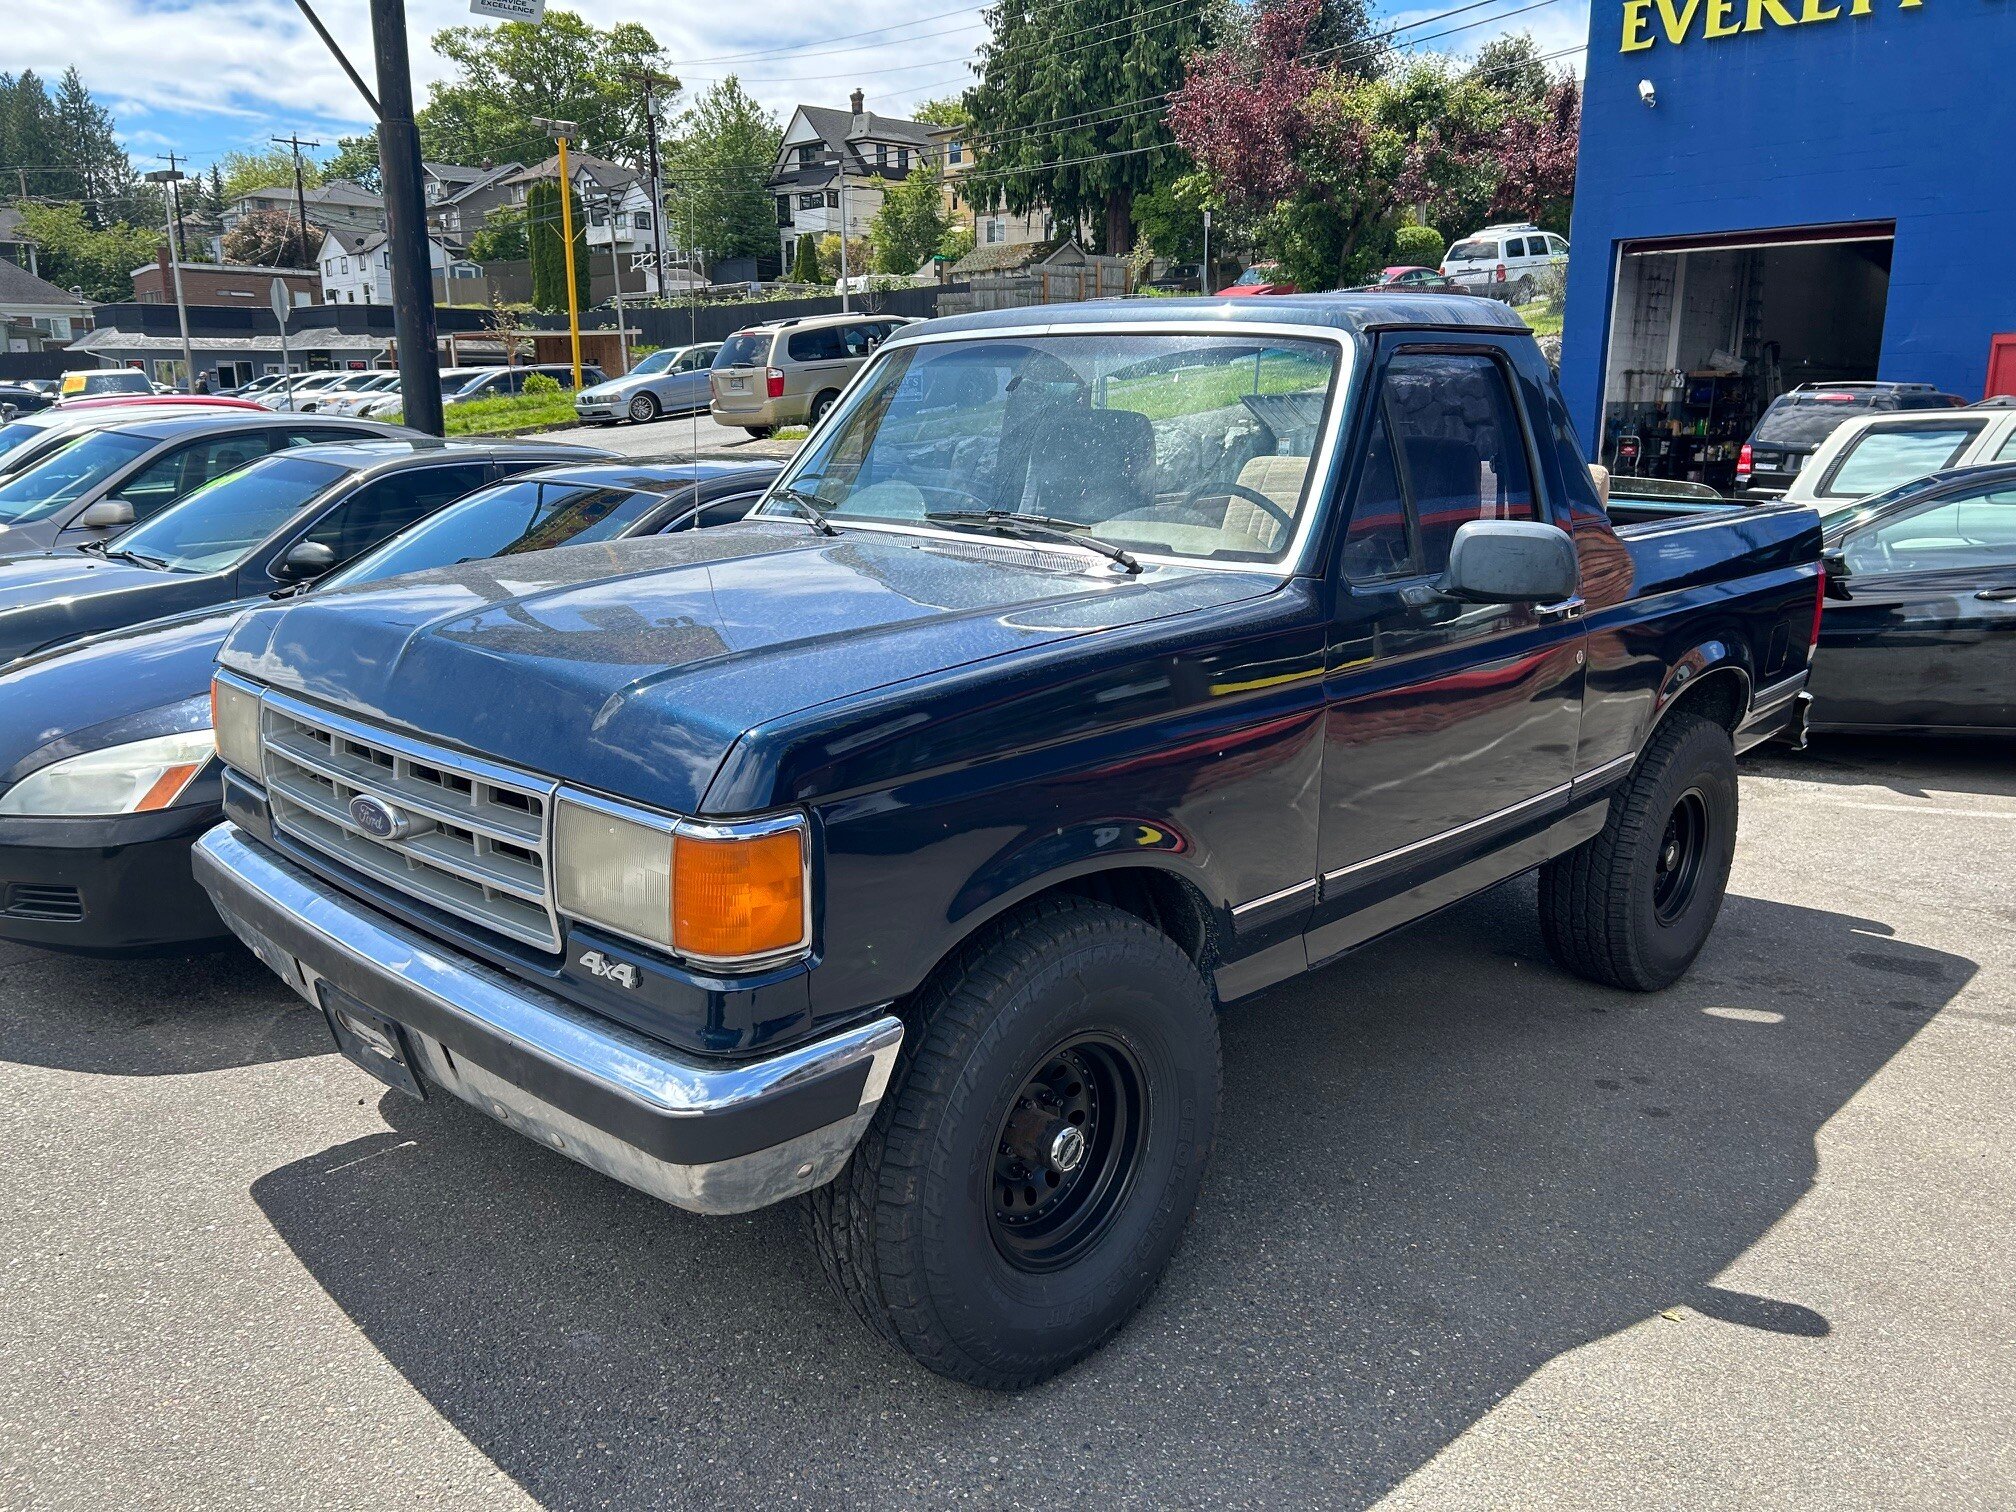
912	221
719	167
272	168
66	147
1058	115
87	143
561	68
501	237
950	111
73	253
1512	66
272	238
1536	159
805	265
356	161
546	243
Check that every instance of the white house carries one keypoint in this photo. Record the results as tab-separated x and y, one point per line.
36	315
357	269
618	204
825	150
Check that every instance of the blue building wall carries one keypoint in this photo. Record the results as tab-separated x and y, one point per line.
1906	112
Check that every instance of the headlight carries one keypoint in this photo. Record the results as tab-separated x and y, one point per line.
136	778
234	713
720	894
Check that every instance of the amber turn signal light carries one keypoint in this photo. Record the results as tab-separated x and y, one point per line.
739	897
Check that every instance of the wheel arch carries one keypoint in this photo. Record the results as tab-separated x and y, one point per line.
1712	680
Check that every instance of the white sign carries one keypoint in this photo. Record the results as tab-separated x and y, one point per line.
509	10
283	301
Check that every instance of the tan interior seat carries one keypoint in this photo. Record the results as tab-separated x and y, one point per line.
1280	479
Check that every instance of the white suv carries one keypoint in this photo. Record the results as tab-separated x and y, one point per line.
1505	262
1876	453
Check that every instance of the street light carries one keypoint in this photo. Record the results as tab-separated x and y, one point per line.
560	131
171	207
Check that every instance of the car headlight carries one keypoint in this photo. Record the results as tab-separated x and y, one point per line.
719	894
234	715
135	778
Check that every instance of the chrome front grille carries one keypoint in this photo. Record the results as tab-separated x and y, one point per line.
481	844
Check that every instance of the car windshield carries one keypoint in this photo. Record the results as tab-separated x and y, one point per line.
504	520
1836	514
1192	446
71	471
1253	277
18	433
1879	459
217	524
658	361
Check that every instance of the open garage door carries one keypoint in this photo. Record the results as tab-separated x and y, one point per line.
1706	331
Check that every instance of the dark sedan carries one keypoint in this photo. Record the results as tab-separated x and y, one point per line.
283	519
1918	632
106	769
101	480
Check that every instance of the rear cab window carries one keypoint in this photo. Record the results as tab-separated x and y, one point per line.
744	349
1806	419
1473	251
1882	457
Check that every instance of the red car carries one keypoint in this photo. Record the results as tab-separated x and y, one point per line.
1413	280
1261	278
115	400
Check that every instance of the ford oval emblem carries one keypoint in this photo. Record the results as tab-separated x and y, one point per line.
378	819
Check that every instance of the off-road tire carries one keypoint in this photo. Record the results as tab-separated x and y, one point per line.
643	409
1599	904
908	1232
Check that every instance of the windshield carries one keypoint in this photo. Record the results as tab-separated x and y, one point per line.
68	473
1835	514
658	361
1884	458
1253	277
504	520
221	521
1192	446
18	434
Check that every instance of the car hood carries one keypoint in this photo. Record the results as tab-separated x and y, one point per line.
64	594
633	667
150	679
629	383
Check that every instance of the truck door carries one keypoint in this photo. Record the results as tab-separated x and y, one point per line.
1451	728
1927	633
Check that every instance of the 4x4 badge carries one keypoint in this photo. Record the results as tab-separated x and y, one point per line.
622	973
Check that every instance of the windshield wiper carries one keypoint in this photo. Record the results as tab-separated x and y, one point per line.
1035	528
137	558
96	548
807	507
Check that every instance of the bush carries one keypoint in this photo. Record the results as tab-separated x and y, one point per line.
540	383
1418	247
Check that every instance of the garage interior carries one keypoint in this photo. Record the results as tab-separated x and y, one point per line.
1707	331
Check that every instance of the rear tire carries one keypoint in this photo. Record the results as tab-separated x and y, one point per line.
1632	907
1040	1150
644	409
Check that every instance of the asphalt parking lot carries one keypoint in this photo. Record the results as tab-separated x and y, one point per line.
678	437
1477	1235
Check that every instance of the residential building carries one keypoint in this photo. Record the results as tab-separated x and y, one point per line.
36	315
617	201
16	245
240	284
995	228
831	155
458	206
358	269
338	205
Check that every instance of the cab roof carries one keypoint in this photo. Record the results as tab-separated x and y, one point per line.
1356	313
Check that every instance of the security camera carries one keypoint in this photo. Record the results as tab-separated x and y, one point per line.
1647	93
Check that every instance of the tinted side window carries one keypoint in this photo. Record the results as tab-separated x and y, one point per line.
1461	452
822	344
1376	542
382	509
166	479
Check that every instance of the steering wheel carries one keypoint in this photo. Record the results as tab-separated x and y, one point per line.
1238	490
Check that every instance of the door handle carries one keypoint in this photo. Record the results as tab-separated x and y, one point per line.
1998	595
1567	609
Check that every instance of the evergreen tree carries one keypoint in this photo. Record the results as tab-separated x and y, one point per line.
805	265
718	170
1066	114
912	221
546	244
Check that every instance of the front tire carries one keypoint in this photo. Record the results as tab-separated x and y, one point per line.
1633	907
1030	1172
826	400
644	409
759	432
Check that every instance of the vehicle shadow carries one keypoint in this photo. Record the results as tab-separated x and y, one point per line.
207	1010
1440	1165
1913	765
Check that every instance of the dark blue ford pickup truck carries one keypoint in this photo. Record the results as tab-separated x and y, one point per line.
1089	669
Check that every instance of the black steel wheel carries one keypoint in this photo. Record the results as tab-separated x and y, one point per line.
1039	1151
1677	872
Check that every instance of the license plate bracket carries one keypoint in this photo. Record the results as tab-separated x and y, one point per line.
370	1040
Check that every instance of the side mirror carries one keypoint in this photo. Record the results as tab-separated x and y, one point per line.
304	560
1511	562
106	514
1834	567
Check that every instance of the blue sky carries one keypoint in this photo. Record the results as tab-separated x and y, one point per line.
205	77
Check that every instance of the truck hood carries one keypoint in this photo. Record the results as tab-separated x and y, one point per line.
633	667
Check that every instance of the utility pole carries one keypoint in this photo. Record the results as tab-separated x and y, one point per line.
839	161
180	247
168	178
560	132
608	204
293	140
406	221
650	79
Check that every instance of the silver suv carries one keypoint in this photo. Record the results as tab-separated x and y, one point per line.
789	372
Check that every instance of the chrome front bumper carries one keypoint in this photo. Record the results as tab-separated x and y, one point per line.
711	1137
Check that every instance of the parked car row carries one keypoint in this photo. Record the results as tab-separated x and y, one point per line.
895	845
